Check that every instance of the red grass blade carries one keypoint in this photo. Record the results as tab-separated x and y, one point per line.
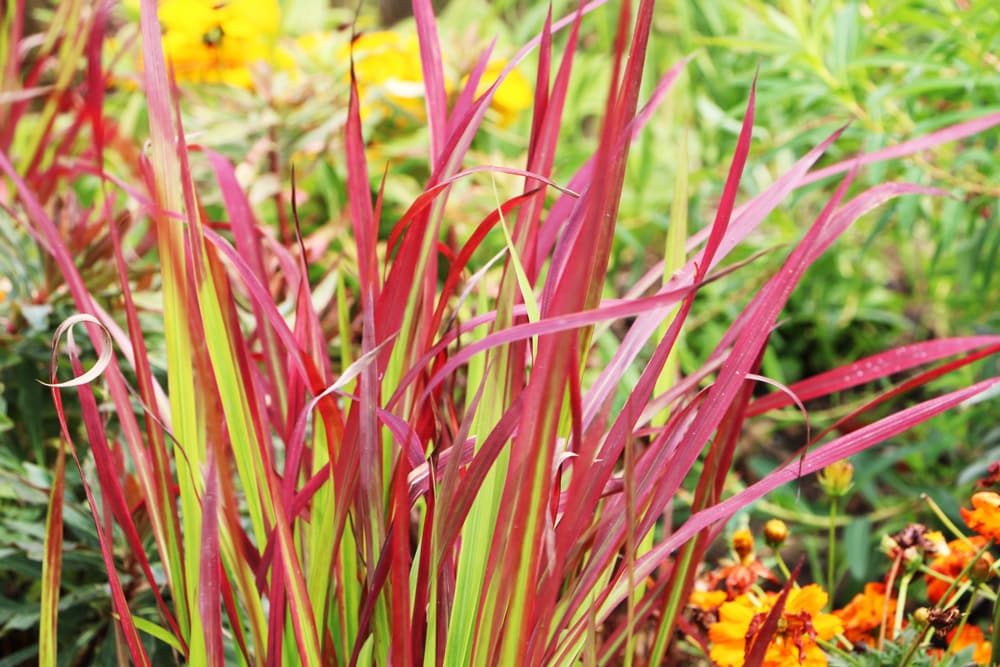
948	134
399	570
430	61
211	567
871	368
363	418
756	651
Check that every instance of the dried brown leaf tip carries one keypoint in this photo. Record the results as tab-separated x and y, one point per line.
992	478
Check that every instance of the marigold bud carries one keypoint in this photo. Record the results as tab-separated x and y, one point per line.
775	533
836	479
743	544
921	615
982	569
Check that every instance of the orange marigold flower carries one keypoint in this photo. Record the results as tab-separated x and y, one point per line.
707	600
739	577
705	607
952	564
984	518
970	635
794	642
863	615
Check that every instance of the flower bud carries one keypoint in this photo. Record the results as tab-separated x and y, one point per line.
888	546
921	615
836	479
982	569
775	533
743	544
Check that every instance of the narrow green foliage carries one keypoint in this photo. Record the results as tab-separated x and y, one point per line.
52	566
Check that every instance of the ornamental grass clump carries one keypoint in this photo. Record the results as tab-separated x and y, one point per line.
447	479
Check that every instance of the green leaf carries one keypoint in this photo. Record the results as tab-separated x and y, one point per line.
856	546
155	630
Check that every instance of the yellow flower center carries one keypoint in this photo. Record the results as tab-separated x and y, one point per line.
213	37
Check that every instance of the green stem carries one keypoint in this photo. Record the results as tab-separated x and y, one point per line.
830	646
995	639
904	583
943	518
961	624
914	645
781	565
952	600
810	520
831	548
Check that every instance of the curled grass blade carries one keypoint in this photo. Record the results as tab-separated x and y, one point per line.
94	427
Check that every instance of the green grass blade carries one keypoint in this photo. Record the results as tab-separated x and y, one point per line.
52	565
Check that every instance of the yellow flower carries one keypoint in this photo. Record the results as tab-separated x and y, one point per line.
836	479
390	79
209	41
704	607
512	96
793	643
313	43
707	600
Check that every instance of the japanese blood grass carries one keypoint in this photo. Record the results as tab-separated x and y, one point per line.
461	491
